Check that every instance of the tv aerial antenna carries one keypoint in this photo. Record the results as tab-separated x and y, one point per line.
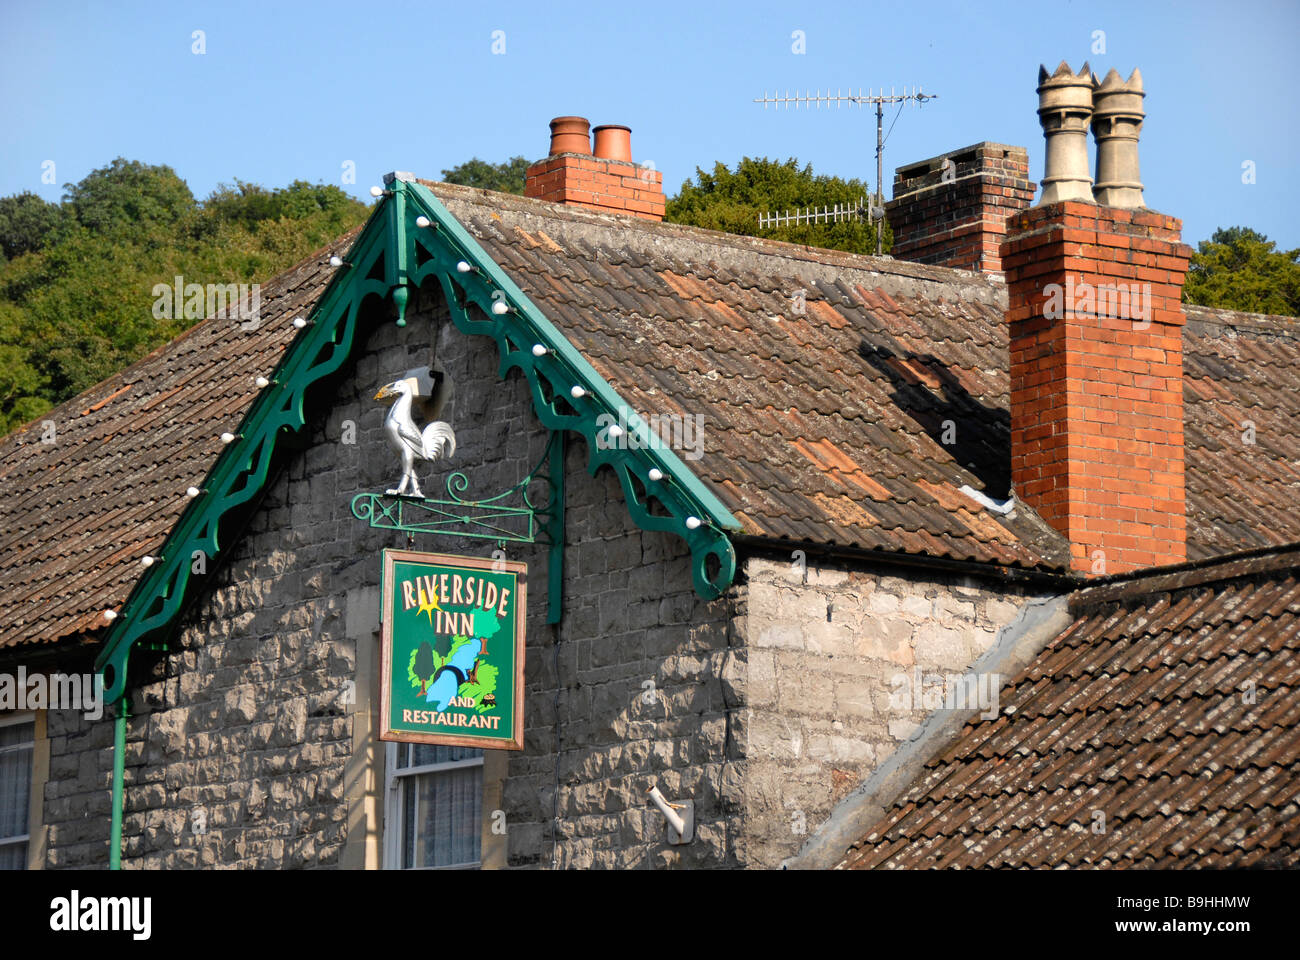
876	211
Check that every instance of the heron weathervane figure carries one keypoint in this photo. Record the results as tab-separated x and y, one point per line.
434	442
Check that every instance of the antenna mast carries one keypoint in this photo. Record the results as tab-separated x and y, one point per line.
914	95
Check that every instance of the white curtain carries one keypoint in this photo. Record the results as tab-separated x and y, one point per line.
442	812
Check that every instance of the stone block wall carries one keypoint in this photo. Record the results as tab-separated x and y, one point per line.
830	657
75	810
243	749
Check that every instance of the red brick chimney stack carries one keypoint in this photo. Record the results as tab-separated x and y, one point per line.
607	180
1095	327
951	210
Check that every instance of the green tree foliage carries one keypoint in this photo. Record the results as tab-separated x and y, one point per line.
26	223
1240	269
423	666
76	298
130	196
507	177
248	205
732	202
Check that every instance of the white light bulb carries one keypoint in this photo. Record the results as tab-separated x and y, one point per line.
692	523
376	191
299	322
499	307
227	437
110	615
656	474
577	392
422	222
539	350
192	492
336	261
146	561
463	267
262	383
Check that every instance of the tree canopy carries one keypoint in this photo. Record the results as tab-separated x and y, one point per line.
76	285
732	201
1240	269
506	177
130	195
27	223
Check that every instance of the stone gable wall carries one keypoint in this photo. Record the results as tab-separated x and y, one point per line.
239	744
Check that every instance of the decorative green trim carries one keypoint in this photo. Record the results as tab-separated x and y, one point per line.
242	469
685	506
678	492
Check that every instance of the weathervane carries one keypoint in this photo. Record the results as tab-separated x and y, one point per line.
877	210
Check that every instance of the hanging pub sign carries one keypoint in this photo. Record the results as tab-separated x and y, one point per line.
452	668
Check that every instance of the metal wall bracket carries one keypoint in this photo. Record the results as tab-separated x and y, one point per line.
489	518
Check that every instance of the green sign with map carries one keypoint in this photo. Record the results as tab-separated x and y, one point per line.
453	652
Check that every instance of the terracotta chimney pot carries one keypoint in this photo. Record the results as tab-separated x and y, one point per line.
570	135
614	142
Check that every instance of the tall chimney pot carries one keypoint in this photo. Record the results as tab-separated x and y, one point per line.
1064	109
1116	123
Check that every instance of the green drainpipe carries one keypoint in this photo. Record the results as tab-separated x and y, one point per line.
119	775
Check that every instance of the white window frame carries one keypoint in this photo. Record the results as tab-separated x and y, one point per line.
394	809
13	720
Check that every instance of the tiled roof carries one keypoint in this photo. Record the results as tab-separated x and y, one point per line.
1169	707
828	426
77	515
1241	377
823	420
825	426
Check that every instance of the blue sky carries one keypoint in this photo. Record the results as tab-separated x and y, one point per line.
289	90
